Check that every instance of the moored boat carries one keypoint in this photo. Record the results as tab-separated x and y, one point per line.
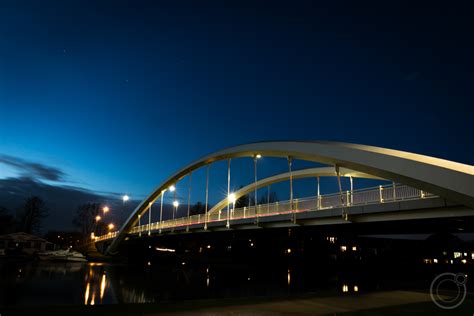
62	255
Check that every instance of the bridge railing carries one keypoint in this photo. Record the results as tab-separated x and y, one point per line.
380	194
109	235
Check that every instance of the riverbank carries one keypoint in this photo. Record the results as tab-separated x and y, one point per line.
386	303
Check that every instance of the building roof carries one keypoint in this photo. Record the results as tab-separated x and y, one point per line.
21	236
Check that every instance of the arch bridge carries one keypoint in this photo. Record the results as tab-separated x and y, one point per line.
417	187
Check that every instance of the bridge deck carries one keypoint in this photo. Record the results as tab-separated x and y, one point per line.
391	202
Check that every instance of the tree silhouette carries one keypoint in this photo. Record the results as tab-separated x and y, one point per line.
264	199
197	208
85	219
34	211
6	221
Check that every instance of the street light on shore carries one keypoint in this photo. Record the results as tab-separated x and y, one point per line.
105	209
111	226
98	218
125	198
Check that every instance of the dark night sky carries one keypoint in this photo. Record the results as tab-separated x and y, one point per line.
111	97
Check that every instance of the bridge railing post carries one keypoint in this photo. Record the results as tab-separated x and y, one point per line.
381	194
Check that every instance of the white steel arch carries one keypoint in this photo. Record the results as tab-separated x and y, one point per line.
448	179
297	174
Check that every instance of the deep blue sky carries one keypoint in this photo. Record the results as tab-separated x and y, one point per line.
118	95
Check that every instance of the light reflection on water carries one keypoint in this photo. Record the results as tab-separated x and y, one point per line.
50	283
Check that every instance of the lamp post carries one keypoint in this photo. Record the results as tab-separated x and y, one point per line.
207	196
255	158
292	209
125	198
161	208
175	207
228	193
189	200
172	188
110	227
149	219
97	219
230	199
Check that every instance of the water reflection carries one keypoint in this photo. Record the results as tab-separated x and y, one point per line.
48	283
96	283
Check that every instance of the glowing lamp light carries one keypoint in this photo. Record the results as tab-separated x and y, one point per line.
111	226
175	203
97	218
232	198
258	156
105	209
125	198
172	188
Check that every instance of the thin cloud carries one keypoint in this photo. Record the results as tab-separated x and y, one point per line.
33	170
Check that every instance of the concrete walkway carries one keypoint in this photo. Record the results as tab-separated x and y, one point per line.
381	303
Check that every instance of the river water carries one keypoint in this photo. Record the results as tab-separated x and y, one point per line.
54	283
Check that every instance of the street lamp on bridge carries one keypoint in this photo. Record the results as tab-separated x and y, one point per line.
175	205
231	199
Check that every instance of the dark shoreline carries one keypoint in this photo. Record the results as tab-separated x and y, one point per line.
386	303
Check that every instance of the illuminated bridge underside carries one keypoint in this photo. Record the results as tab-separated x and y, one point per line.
450	180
